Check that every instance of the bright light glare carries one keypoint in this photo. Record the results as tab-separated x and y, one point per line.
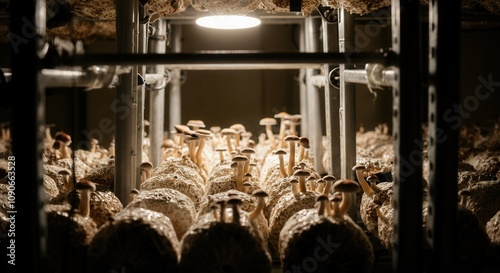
228	21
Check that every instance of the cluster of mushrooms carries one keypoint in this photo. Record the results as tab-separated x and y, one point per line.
220	201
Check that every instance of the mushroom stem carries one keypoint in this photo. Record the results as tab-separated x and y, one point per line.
291	157
320	185
222	206
302	184
270	136
85	203
364	185
228	143
199	152
261	204
283	172
295	187
336	208
282	133
345	204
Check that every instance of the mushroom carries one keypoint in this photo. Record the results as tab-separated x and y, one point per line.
323	202
238	130
329	179
191	141
202	135
464	194
260	195
282	116
303	145
281	153
228	133
248	153
93	145
146	169
336	199
85	187
346	187
133	194
221	151
311	181
291	139
294	120
195	124
295	187
359	169
268	123
222	206
235	203
246	186
240	160
301	174
373	179
320	185
68	185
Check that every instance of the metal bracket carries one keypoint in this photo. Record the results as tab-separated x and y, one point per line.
334	77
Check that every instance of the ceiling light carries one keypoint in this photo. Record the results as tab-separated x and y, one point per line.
228	21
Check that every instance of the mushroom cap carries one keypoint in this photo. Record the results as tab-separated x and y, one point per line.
182	129
64	172
358	167
321	197
346	185
329	177
295	117
196	123
238	127
281	115
220	149
337	197
320	181
63	137
268	121
372	178
304	141
85	184
247	150
228	132
203	133
146	165
465	192
301	173
260	193
234	200
215	129
294	180
134	191
291	138
239	158
280	152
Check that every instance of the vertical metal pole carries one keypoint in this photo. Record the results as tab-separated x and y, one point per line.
304	124
125	116
143	48
314	131
157	94
175	83
444	94
347	110
27	30
332	105
407	138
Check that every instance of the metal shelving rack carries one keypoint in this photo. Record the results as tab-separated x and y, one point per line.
27	95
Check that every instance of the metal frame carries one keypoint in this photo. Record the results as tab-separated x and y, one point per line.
28	120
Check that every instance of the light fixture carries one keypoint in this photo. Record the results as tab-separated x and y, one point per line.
228	21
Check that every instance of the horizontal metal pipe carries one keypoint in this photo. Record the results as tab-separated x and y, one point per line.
386	78
250	60
97	77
